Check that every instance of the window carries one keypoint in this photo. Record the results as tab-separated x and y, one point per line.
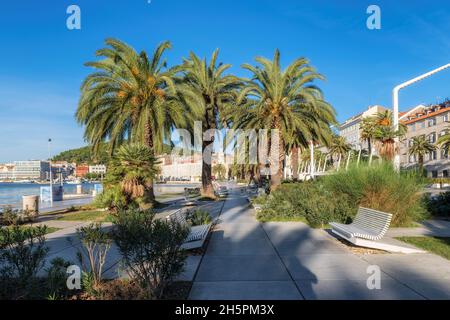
412	127
433	155
411	142
444	154
432	137
434	174
445	117
422	125
431	122
445	173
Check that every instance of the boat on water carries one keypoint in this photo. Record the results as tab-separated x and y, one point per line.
73	182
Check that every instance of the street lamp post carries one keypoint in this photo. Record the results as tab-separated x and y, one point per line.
50	174
395	103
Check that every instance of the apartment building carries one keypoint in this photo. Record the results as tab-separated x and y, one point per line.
97	169
31	170
6	171
430	122
351	128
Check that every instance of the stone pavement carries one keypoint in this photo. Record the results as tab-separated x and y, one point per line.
246	259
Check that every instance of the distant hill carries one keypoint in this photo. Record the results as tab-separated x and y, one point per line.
85	155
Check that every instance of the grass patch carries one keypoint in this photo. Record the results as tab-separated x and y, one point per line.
93	215
166	196
439	246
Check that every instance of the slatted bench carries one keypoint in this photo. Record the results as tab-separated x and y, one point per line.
368	227
197	234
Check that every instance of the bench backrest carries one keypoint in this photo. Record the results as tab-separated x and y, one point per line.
192	193
178	216
373	220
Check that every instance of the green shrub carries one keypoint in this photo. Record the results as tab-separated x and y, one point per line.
56	278
95	244
150	249
379	187
22	253
337	197
10	216
440	205
111	198
198	217
304	201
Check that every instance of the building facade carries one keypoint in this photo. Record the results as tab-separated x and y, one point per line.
31	170
430	122
6	172
97	169
81	171
351	128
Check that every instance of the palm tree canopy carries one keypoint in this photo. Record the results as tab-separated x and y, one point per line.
206	89
131	97
444	141
339	146
285	100
133	168
421	146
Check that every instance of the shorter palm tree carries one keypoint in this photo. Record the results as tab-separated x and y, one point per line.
339	147
219	170
133	168
420	147
444	141
368	128
385	137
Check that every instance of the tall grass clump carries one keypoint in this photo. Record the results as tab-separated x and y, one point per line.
380	187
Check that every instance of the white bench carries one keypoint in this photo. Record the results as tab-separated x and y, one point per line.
368	227
197	234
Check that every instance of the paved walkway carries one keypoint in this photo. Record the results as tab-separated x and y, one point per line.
249	260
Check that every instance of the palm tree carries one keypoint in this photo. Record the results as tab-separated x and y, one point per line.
385	137
339	147
206	89
219	170
444	141
129	98
368	128
420	147
133	168
284	100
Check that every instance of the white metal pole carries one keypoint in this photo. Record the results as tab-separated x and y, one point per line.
50	169
395	103
348	160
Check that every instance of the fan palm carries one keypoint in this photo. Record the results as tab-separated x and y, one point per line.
131	97
285	100
386	141
206	88
420	147
133	168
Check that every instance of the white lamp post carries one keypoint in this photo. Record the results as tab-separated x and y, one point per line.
50	173
395	104
312	169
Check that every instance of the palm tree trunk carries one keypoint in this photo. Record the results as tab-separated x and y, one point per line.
294	163
150	192
277	177
207	186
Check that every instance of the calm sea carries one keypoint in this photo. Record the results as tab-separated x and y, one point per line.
11	193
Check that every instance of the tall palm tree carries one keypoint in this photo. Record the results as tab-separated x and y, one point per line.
285	100
420	147
206	88
339	147
131	97
385	137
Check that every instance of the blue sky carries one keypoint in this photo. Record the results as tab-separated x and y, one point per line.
41	61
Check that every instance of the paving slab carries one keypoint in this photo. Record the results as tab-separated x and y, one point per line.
245	290
355	290
241	268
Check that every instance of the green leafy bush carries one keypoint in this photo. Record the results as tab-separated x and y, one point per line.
150	249
337	197
10	216
56	278
304	201
380	187
92	254
198	217
22	254
111	198
440	205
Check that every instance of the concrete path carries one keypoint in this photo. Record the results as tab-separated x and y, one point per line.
248	260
